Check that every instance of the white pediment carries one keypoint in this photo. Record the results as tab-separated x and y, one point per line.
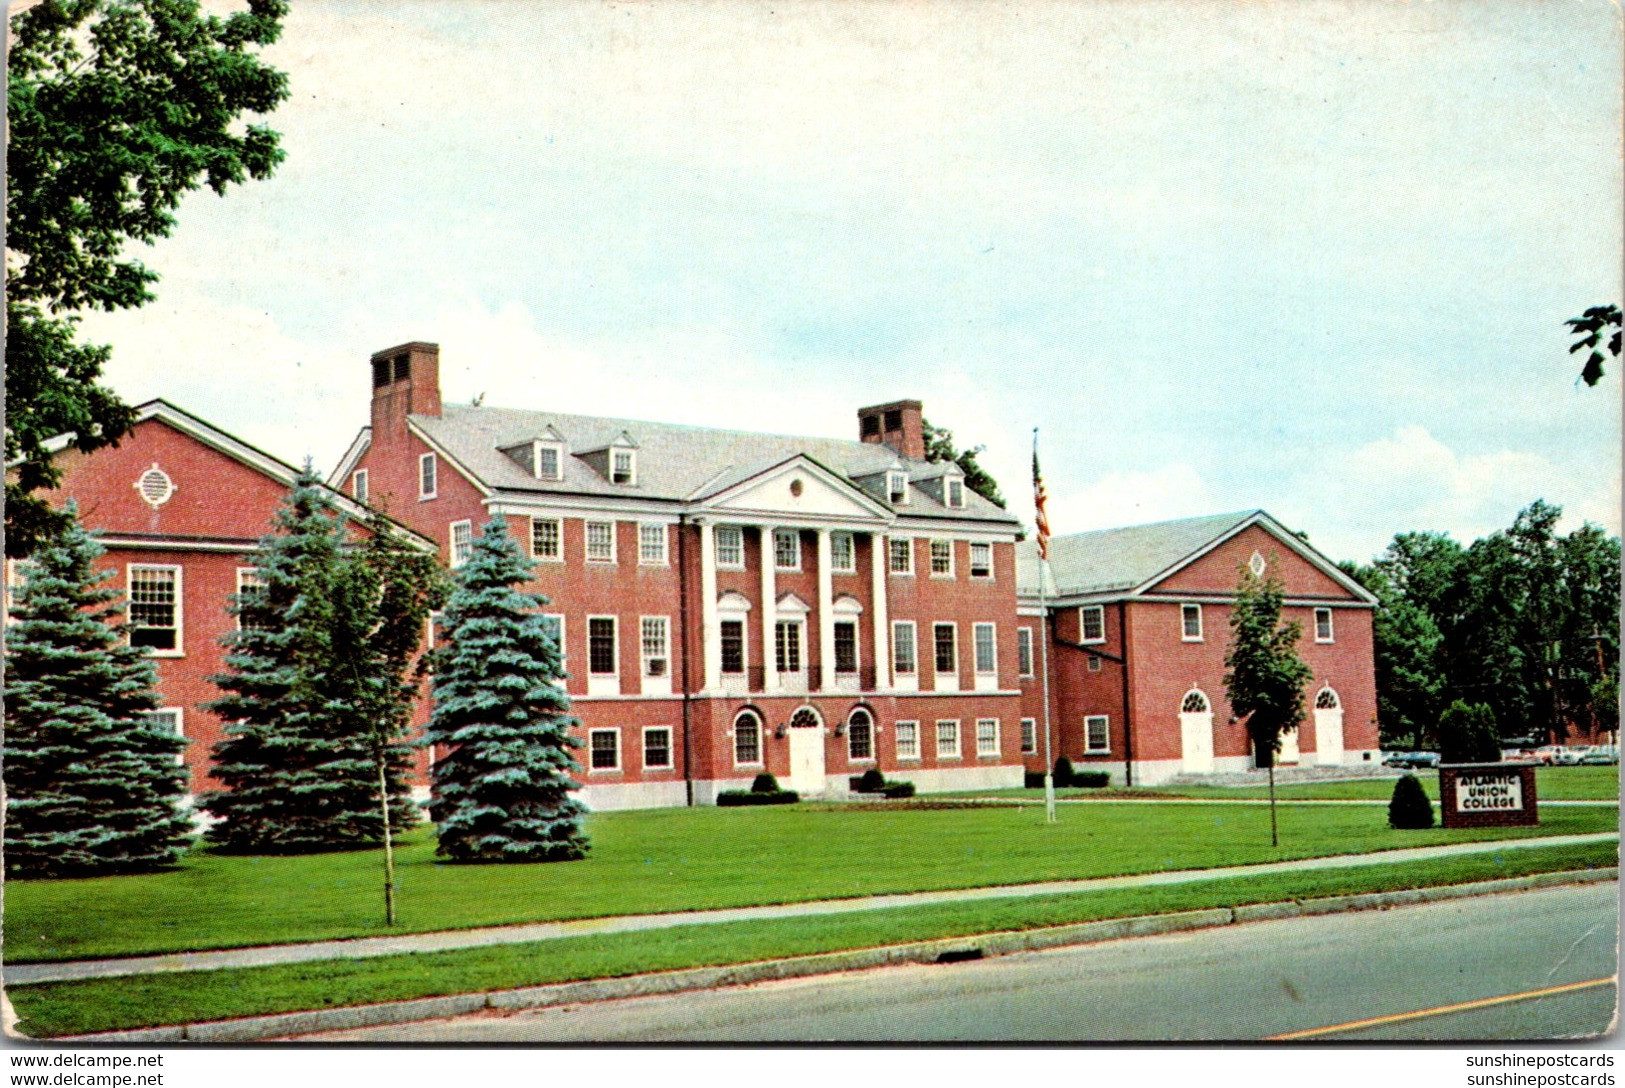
791	604
799	488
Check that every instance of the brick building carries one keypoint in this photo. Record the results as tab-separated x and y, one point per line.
179	505
728	602
1140	621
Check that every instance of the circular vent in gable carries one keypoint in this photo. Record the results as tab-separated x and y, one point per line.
155	486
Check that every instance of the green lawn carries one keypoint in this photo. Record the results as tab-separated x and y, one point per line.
108	1004
674	859
1551	784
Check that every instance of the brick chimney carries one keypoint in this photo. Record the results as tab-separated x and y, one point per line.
899	425
405	381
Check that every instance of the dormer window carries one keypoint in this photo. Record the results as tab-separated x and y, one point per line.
623	466
547	460
954	492
897	487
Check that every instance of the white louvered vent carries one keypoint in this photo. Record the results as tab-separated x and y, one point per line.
155	486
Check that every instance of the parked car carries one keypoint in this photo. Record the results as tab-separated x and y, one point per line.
1547	754
1413	760
1568	757
1601	753
1517	755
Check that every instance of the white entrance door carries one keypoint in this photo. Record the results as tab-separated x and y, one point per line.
1328	727
806	753
1196	734
1289	747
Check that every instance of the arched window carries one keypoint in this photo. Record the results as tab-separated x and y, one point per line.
1195	703
747	739
1327	700
860	735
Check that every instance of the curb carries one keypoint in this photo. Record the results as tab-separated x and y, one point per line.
283	1025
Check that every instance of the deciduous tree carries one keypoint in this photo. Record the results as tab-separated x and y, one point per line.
939	446
116	109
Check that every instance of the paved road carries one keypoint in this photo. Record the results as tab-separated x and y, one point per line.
1238	982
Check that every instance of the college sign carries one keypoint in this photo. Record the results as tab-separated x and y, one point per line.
1487	794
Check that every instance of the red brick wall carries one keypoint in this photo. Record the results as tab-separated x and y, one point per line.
1220	570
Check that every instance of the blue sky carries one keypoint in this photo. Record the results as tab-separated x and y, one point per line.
1308	257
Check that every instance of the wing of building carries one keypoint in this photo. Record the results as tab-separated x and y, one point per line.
1141	621
729	602
179	505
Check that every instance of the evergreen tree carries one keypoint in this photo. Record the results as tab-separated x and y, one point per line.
299	761
1409	809
1467	734
1264	676
502	789
92	786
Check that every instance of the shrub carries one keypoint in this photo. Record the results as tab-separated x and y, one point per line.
1091	779
1410	809
1063	772
870	781
743	798
898	789
765	783
1467	734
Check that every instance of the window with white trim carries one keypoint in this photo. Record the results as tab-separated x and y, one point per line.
843	556
902	647
787	645
547	460
900	555
623	466
1094	663
946	636
1092	623
908	739
730	542
600	542
846	647
657	748
860	736
1024	651
462	542
985	639
747	740
358	485
1029	736
428	470
955	492
605	746
547	539
947	739
1190	618
987	736
1323	625
942	559
166	721
897	487
733	647
981	560
652	545
1097	733
250	600
787	549
602	658
655	642
155	608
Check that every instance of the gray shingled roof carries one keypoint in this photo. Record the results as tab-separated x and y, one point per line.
1116	559
674	461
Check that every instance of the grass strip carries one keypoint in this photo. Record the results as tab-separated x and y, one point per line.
662	860
70	1008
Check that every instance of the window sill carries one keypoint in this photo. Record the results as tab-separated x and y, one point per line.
1100	752
948	759
1187	638
547	559
603	770
168	654
602	563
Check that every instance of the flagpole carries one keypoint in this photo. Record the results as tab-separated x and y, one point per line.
1042	519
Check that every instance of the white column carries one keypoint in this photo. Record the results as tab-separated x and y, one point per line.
770	612
710	630
881	613
826	615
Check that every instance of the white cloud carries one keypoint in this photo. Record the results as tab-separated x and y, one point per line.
1412	481
1132	498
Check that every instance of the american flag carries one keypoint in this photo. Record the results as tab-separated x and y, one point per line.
1040	497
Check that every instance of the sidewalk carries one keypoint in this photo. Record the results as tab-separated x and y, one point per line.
365	947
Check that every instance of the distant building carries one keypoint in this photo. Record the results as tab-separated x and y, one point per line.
729	603
179	505
1141	624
